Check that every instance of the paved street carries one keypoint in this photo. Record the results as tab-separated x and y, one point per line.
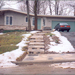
70	36
36	69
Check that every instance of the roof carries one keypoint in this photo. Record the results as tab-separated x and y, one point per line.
52	16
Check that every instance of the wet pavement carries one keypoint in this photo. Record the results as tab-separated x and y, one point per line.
70	36
35	69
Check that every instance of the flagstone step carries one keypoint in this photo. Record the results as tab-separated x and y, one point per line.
36	43
46	31
36	51
36	40
39	34
35	47
36	37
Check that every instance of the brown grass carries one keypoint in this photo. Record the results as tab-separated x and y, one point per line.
21	57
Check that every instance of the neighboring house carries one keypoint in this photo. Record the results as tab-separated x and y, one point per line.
11	17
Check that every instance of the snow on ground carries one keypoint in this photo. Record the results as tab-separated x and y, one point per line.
7	57
1	33
64	46
32	32
64	65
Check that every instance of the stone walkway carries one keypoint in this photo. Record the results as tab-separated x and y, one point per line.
36	45
46	58
36	53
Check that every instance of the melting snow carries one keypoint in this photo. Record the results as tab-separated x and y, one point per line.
6	58
1	33
64	46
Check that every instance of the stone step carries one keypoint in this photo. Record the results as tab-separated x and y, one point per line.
36	40
36	43
39	34
46	31
36	37
36	51
35	47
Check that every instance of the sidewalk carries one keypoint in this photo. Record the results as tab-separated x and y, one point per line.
47	58
37	55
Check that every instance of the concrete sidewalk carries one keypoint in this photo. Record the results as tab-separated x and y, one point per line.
47	58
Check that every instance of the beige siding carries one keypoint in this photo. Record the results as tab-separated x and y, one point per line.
17	18
49	21
1	19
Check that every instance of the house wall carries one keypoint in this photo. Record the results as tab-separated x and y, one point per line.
17	18
1	20
49	20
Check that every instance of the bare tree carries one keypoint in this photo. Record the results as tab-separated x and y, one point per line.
26	2
50	7
1	4
56	7
23	7
35	13
72	4
29	24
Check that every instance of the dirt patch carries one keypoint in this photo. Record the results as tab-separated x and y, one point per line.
47	42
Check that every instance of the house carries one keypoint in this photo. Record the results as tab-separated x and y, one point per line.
18	19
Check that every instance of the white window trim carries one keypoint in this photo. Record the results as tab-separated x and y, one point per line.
8	16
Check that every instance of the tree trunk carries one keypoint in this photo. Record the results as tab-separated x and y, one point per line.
29	24
50	7
35	13
74	11
38	6
56	6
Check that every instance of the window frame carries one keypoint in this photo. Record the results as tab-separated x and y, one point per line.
26	19
33	22
8	21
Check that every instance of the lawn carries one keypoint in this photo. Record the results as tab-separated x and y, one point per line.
9	40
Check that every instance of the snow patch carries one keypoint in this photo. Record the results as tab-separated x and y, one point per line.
1	33
64	45
32	32
64	65
6	58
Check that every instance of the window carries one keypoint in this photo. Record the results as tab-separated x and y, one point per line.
43	21
33	21
26	19
8	20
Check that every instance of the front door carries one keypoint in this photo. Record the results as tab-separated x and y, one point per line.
39	23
